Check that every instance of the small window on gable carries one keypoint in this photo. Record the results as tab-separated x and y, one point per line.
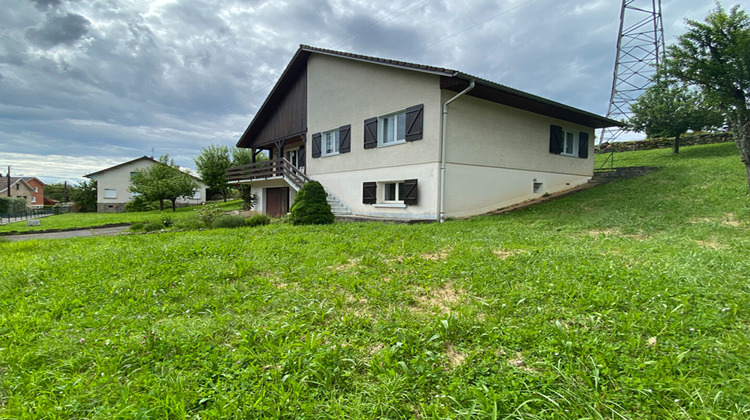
330	143
110	193
132	174
36	190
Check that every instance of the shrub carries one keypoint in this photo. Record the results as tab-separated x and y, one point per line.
12	205
167	221
153	226
136	226
228	221
258	220
310	206
208	213
139	204
191	222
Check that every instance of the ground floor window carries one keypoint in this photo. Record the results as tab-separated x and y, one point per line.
393	192
390	192
110	193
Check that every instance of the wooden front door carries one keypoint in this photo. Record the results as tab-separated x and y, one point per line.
277	201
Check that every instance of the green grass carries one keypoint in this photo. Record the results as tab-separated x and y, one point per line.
84	220
628	300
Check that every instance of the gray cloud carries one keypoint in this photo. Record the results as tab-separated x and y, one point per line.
59	30
131	75
45	4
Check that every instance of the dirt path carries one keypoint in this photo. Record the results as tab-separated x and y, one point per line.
107	231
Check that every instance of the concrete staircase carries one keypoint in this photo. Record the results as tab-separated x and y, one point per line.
338	207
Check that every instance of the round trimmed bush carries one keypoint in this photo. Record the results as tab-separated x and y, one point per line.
228	221
310	206
153	226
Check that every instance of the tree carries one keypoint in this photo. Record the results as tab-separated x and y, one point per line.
58	191
162	181
212	164
669	110
244	157
715	57
84	194
310	206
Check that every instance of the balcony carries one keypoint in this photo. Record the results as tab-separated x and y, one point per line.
278	168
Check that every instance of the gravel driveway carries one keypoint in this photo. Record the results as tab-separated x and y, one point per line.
107	231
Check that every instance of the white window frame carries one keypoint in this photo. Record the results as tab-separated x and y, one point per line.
33	198
391	127
572	139
398	190
112	195
36	189
197	195
329	135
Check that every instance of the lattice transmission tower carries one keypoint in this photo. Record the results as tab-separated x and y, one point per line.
640	50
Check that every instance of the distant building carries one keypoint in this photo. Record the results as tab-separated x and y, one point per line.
29	188
113	184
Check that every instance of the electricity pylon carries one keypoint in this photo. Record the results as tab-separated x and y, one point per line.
640	50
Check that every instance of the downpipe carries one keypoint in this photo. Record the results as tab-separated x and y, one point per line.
443	144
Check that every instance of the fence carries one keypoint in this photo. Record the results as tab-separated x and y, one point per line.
32	214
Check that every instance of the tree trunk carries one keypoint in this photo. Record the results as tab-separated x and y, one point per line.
174	204
161	204
741	133
676	147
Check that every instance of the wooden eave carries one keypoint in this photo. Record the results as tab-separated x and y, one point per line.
504	95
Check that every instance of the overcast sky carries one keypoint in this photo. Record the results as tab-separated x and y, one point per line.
87	84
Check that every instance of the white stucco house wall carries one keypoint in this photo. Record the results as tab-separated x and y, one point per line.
113	183
396	140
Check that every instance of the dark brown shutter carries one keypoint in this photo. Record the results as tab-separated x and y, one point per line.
414	122
555	139
371	133
583	145
345	139
301	159
316	145
369	192
410	192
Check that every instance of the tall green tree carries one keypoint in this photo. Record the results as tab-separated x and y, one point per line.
242	156
212	164
84	194
714	56
163	181
667	109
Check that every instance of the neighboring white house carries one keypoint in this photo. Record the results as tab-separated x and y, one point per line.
112	185
398	140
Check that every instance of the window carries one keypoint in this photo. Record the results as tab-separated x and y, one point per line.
390	193
393	192
36	190
197	195
110	193
570	146
132	174
33	199
396	128
330	143
392	129
567	142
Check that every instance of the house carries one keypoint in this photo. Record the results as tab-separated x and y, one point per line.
112	186
395	140
28	187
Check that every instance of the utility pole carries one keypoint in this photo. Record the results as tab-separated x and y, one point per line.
8	180
640	51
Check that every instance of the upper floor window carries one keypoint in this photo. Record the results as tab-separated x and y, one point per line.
398	127
392	129
36	190
330	143
110	193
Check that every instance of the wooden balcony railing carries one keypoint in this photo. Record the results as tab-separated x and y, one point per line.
267	169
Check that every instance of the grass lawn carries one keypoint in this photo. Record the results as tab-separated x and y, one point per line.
84	220
628	300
